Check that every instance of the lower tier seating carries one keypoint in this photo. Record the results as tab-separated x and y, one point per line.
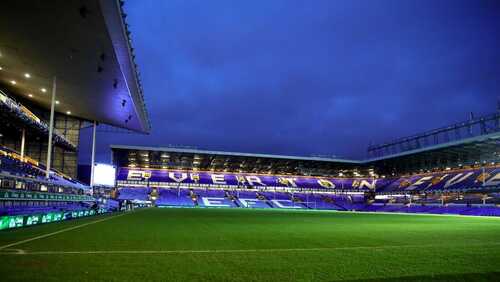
283	200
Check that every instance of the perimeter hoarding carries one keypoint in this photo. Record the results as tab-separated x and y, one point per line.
7	222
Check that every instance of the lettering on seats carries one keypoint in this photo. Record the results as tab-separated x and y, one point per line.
138	175
248	203
283	204
495	180
287	181
457	179
253	179
326	183
218	179
419	182
183	176
360	184
214	202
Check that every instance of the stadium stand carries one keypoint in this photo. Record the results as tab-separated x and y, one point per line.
468	191
12	165
15	111
39	133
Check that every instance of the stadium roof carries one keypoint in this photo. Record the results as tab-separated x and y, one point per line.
468	143
86	45
179	158
465	152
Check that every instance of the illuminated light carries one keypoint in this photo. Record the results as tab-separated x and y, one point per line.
1	68
27	75
448	168
30	95
104	174
57	102
43	90
13	82
68	113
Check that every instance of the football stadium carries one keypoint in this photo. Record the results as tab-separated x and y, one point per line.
423	207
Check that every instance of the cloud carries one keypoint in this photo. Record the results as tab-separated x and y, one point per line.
311	77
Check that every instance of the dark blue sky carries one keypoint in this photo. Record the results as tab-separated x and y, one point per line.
309	77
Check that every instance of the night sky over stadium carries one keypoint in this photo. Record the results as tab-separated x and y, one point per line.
302	77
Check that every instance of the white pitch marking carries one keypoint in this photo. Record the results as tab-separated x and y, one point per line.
246	250
57	232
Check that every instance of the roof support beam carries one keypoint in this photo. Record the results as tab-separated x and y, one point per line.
51	127
23	141
92	161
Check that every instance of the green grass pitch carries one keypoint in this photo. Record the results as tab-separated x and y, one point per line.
254	245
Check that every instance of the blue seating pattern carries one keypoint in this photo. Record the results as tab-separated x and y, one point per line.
174	197
320	201
141	194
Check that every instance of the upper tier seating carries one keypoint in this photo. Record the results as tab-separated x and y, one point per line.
18	168
11	164
458	180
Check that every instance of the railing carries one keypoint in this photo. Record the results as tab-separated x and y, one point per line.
472	128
